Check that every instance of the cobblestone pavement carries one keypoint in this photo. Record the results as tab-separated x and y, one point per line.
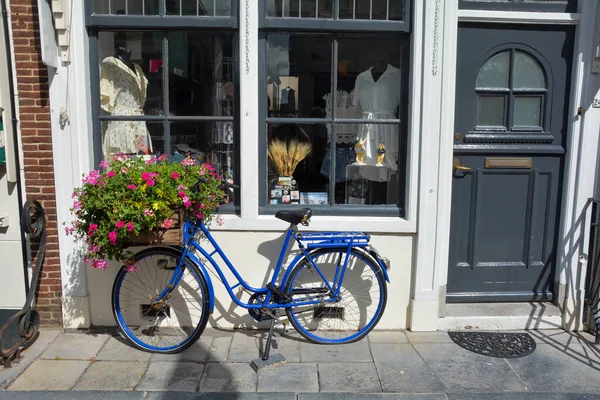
386	365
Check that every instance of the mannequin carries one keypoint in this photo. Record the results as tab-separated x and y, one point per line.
379	67
123	92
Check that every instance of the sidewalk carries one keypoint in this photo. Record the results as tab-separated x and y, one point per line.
386	365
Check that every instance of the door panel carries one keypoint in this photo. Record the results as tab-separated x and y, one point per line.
510	135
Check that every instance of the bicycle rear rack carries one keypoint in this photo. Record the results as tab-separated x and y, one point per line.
334	239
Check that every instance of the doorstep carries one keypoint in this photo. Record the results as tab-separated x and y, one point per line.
500	316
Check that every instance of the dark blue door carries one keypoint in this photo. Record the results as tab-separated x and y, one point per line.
510	135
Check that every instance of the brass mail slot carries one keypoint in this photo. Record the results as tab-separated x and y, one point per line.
508	162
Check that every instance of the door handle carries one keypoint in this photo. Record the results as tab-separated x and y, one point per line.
458	167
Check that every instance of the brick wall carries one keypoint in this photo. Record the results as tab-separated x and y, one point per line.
34	105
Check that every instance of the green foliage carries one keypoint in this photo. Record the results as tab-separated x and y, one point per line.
125	198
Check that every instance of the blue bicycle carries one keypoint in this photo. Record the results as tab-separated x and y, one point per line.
334	291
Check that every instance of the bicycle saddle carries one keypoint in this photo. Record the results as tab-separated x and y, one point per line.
294	216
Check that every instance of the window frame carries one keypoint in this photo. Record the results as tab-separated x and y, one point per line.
569	7
163	24
296	25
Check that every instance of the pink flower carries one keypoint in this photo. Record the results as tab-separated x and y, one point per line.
130	226
132	187
124	170
120	224
219	220
103	164
208	166
120	157
151	161
76	205
101	183
188	162
174	175
199	215
93	248
150	182
146	176
186	202
110	173
202	206
92	229
182	187
167	223
130	266
69	230
163	157
92	178
148	213
100	264
201	172
154	174
181	194
73	195
112	236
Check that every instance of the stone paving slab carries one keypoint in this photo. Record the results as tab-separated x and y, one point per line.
393	337
320	353
68	395
379	396
219	349
249	345
171	376
352	378
462	370
47	337
220	396
116	349
522	396
401	369
198	352
228	378
428	337
112	375
553	370
75	346
291	377
50	375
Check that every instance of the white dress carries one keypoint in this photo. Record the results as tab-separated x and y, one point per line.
379	100
123	92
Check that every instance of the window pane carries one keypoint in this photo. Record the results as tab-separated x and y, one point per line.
130	73
211	142
309	182
223	8
494	73
126	7
369	77
346	9
201	78
380	9
300	8
299	74
363	9
309	9
366	165
132	138
490	111
527	111
528	73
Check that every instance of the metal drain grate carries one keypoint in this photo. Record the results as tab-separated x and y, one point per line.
493	344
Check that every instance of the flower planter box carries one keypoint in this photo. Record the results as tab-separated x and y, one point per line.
166	237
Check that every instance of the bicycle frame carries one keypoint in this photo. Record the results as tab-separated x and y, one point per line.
339	240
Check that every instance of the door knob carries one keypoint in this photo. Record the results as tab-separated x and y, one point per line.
458	167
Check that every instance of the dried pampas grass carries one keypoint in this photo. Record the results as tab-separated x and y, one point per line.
287	156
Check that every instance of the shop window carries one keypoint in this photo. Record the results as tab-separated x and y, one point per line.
520	5
511	89
166	91
335	109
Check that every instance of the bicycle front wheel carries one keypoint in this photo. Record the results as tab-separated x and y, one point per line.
357	309
171	324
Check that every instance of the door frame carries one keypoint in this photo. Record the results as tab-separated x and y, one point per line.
435	184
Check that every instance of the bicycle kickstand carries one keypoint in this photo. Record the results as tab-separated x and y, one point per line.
267	360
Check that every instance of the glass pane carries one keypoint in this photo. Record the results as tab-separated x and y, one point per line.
223	8
366	164
346	9
118	7
201	73
211	142
299	74
308	9
527	111
490	111
528	73
306	180
369	77
494	73
325	8
363	9
274	8
380	9
132	138
396	10
130	73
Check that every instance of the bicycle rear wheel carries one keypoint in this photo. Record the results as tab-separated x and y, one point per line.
360	305
172	324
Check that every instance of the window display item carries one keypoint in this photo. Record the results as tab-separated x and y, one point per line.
359	149
123	93
380	154
377	91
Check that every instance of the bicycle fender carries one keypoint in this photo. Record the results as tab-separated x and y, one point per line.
290	267
203	271
372	253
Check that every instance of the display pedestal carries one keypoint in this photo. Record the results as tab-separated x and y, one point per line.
370	184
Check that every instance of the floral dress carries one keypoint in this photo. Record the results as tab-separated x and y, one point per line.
123	92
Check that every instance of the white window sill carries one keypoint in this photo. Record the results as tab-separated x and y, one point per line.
318	223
